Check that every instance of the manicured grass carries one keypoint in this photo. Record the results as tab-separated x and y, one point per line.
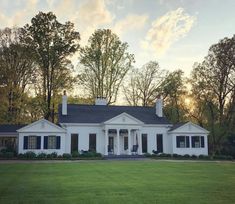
118	182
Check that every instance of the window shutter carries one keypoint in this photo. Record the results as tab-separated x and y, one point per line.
193	141
187	141
58	142
38	142
45	142
178	141
202	142
26	142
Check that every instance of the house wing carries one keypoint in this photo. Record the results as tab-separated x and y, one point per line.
42	125
124	118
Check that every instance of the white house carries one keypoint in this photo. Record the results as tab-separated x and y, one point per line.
110	130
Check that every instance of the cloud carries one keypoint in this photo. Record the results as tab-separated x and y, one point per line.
130	22
166	30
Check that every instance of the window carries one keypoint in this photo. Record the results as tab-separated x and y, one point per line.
92	142
182	141
125	143
32	142
51	142
198	142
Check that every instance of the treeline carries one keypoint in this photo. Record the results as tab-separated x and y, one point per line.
35	68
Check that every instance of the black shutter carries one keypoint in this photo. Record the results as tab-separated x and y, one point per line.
38	142
58	142
187	141
202	142
26	142
45	142
193	141
178	141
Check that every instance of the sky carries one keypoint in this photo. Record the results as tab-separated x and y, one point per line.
175	33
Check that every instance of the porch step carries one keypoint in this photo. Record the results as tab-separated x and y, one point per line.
124	157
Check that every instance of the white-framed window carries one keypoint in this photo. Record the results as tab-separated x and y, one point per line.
52	142
32	142
198	142
182	141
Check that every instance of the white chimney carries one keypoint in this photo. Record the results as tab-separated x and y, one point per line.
100	101
159	106
64	104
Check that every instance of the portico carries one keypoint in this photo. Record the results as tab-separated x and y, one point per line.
123	135
122	141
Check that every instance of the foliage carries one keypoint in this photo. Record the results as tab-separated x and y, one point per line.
144	85
52	43
104	63
67	156
75	154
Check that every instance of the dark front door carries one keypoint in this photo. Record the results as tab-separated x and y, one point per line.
111	144
159	143
74	143
144	143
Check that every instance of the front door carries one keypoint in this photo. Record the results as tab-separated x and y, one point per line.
74	143
144	143
111	145
159	143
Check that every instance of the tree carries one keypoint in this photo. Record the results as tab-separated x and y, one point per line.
104	64
213	81
144	85
174	92
52	44
16	72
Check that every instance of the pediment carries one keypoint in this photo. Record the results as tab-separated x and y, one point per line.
42	125
124	118
190	128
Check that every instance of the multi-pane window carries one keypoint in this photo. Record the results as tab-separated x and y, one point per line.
198	142
92	142
32	142
182	141
51	142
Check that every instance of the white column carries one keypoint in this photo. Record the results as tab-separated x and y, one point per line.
106	142
140	143
118	142
129	141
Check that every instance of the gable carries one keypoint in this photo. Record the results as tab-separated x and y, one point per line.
42	125
189	128
124	118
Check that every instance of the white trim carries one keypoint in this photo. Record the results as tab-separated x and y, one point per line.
24	129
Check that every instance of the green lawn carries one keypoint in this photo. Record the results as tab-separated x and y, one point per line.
118	182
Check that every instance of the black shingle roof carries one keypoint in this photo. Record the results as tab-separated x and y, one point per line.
10	128
98	114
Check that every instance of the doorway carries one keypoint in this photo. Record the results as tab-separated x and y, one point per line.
74	143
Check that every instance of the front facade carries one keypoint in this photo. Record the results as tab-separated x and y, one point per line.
111	130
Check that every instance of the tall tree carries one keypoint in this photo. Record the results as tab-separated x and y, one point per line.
16	72
53	43
174	91
144	85
104	63
214	82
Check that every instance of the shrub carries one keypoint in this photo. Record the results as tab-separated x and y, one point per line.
30	155
186	156
148	155
42	155
223	157
201	156
175	155
75	154
7	153
67	156
90	154
164	155
194	156
20	156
